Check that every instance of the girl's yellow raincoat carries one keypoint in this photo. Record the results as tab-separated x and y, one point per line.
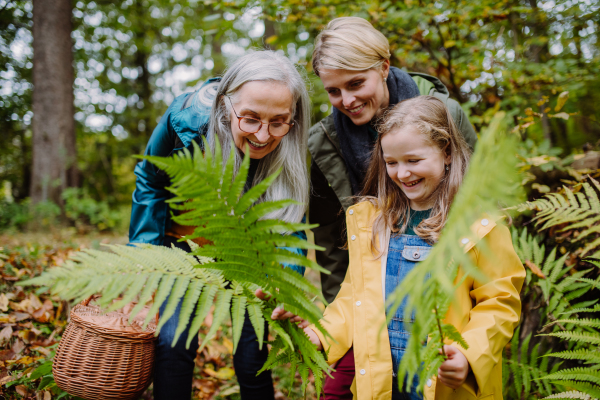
486	314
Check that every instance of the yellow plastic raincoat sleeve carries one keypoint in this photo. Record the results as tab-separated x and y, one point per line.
338	320
497	308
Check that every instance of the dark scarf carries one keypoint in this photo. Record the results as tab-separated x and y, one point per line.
355	141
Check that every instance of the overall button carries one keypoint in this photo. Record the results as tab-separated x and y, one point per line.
429	383
416	255
362	372
353	237
358	303
485	222
351	212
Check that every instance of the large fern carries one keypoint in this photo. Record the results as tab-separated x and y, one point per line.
551	289
577	208
523	367
585	379
491	179
243	254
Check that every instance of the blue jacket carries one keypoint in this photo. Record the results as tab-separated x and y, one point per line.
177	129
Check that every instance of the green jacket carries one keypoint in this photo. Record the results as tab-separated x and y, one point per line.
331	192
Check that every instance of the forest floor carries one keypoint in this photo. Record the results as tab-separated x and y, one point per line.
32	321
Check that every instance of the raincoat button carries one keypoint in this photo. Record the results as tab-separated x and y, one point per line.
351	212
485	222
465	241
429	383
362	372
353	237
358	303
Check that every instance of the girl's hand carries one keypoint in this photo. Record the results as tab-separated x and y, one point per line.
313	338
279	312
453	372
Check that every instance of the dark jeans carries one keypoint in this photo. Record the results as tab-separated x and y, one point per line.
174	367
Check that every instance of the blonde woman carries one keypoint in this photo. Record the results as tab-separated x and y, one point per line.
417	167
353	61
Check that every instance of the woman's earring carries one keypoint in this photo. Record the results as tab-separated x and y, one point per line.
447	167
385	79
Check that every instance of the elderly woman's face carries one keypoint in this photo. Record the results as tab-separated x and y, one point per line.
269	102
359	94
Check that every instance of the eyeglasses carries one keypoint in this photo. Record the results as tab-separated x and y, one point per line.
253	125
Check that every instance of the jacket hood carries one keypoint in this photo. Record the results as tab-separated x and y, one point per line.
439	86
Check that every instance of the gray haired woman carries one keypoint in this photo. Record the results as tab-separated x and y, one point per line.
260	105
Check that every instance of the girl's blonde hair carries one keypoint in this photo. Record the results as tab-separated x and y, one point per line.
432	118
350	43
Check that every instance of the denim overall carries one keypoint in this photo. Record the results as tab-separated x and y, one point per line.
404	252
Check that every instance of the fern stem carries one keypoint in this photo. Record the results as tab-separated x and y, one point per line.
437	319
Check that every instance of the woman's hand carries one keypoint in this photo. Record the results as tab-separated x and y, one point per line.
280	313
453	372
313	338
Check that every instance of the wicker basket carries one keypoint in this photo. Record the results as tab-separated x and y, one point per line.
101	356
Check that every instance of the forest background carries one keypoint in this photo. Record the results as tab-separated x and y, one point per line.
538	61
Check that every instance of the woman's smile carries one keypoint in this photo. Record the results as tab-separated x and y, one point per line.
412	183
256	145
356	110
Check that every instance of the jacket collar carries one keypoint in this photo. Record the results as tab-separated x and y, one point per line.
365	213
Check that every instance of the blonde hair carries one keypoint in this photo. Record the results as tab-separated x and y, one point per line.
350	43
432	118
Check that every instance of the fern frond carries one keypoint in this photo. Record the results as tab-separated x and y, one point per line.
594	323
584	387
589	356
578	337
572	394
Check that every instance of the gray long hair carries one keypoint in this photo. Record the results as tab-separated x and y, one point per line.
291	152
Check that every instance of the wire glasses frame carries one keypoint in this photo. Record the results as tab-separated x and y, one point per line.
253	125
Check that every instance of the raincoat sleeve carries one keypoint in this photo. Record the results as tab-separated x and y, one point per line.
497	309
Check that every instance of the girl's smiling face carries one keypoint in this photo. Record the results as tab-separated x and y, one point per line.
415	164
358	94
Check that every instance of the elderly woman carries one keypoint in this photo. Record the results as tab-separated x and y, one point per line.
261	106
352	59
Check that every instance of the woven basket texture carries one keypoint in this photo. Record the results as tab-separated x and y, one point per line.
102	356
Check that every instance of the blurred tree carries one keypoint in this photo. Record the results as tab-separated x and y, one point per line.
54	151
15	98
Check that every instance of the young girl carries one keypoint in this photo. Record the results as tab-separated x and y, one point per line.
418	164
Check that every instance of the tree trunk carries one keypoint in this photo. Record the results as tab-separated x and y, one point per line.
53	143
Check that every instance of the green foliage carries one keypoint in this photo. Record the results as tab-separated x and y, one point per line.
17	215
430	287
552	289
572	209
82	210
525	366
585	380
242	256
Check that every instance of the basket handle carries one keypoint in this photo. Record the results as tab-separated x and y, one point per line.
87	301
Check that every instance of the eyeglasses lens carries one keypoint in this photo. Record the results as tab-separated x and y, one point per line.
251	125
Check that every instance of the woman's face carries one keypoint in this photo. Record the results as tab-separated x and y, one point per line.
361	95
414	164
265	101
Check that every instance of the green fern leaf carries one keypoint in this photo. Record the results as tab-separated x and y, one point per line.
238	312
